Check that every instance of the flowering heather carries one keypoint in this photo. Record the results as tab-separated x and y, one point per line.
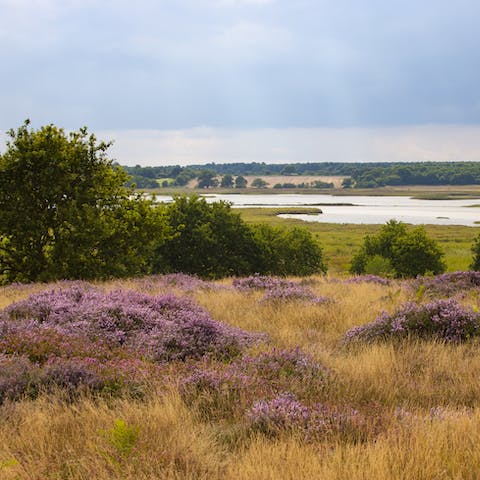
163	328
442	319
284	413
261	282
368	279
18	376
112	376
281	369
215	393
219	388
447	284
180	281
282	294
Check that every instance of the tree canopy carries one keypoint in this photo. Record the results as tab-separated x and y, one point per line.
65	211
405	253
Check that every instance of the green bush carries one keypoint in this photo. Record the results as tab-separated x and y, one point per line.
288	251
212	241
408	253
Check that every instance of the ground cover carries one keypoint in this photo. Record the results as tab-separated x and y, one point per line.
292	399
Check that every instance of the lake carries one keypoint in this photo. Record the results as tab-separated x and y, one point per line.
361	209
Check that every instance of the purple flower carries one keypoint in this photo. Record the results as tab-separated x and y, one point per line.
442	319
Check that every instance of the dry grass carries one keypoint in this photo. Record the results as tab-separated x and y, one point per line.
51	439
296	179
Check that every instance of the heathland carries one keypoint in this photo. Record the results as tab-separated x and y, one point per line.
174	377
296	376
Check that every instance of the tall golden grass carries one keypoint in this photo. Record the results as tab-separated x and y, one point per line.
426	394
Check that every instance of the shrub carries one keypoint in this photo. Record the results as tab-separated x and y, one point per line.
164	328
369	278
448	284
404	253
445	320
283	294
284	413
18	377
288	251
209	240
260	282
476	254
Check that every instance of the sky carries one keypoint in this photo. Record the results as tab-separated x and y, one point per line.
194	81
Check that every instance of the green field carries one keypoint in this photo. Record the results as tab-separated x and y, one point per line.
341	241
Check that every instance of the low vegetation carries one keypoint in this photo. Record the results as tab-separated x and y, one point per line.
177	377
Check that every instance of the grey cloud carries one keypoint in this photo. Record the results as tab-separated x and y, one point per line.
239	63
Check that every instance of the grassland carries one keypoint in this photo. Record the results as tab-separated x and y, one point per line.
422	399
341	241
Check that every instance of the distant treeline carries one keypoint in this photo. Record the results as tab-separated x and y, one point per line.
363	175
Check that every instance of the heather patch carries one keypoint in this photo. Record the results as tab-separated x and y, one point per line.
445	320
447	284
369	278
162	328
261	282
178	281
285	414
219	389
291	293
18	377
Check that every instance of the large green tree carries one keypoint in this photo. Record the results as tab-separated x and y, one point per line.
209	240
65	211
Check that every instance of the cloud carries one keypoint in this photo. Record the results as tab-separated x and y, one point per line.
177	64
203	145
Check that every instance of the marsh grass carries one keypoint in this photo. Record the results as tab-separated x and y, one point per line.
420	400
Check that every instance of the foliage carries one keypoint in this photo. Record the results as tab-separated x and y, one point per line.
122	437
281	295
259	183
65	212
442	319
447	284
359	175
476	254
162	328
240	182
227	181
208	239
207	179
212	241
288	251
260	282
406	253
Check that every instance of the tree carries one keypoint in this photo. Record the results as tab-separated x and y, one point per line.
288	251
240	182
259	183
476	254
209	240
65	211
207	179
409	253
227	181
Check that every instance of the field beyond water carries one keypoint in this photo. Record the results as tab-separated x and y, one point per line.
177	378
341	241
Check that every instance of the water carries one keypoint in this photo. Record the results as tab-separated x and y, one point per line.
362	209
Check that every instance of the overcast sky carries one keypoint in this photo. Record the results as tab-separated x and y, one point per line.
191	81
